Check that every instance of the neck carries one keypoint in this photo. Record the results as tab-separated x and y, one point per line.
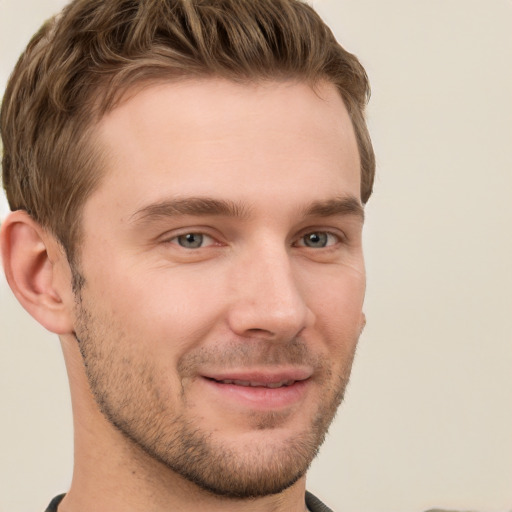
111	473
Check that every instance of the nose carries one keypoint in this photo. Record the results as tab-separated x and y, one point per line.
267	300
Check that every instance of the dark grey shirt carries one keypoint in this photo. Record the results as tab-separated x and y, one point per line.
312	502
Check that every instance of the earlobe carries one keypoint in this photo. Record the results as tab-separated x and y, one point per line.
34	263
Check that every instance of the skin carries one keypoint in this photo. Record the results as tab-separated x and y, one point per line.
222	247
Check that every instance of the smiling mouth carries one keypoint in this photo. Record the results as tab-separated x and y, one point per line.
256	384
260	390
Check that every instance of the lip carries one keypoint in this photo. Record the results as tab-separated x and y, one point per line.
263	376
259	389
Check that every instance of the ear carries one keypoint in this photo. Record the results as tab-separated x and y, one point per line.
37	271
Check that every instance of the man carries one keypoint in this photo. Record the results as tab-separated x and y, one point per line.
188	181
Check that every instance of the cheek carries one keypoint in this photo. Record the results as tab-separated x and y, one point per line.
167	310
337	306
338	290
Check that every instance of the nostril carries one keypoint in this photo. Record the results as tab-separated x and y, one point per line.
258	331
260	313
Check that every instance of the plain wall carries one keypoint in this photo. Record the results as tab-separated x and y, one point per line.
427	421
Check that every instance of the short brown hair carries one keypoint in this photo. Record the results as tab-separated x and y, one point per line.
80	62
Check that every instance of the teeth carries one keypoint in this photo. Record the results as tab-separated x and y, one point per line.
246	383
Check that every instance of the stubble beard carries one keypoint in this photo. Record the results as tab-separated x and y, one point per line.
125	391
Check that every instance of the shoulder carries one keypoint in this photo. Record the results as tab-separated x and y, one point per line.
315	505
52	507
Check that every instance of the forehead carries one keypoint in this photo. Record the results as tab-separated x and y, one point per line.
196	137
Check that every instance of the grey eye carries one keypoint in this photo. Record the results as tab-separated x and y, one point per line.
190	240
316	240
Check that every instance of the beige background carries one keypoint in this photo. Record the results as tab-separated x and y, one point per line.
428	417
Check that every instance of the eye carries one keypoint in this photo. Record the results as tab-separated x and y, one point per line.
318	240
193	240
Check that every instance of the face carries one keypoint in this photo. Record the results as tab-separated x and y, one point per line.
224	277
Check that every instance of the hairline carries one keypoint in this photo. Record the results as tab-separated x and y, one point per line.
109	100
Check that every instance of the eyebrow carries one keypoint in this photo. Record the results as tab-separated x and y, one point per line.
348	205
197	206
205	206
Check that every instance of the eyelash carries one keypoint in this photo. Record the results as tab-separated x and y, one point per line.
203	236
327	234
322	234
